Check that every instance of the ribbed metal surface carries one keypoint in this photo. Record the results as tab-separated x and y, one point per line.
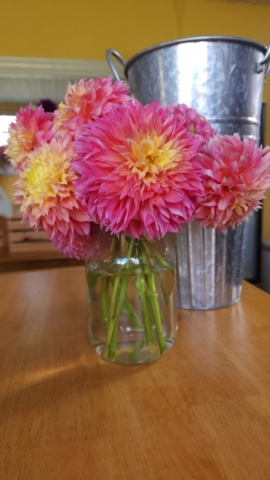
209	267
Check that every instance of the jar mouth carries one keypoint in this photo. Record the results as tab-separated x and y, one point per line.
131	266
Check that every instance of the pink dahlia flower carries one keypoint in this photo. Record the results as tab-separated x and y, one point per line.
235	176
45	190
194	122
136	172
86	100
32	128
83	247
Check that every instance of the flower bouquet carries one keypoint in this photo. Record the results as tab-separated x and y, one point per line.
107	178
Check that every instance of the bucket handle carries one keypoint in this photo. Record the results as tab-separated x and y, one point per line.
113	53
265	61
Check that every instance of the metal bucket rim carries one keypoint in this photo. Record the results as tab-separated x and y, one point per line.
252	43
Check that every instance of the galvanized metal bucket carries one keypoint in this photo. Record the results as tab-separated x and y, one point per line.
222	78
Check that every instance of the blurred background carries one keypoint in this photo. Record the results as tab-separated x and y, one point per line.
44	45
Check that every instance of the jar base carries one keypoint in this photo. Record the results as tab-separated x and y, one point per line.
132	353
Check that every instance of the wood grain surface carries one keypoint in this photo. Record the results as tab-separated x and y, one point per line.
202	412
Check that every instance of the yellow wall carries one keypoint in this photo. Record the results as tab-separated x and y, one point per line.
86	29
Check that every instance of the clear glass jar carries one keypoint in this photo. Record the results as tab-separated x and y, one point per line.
132	313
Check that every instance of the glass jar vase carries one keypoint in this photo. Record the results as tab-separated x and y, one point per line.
131	304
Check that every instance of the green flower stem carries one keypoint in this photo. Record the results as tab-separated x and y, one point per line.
140	286
115	319
146	258
111	310
129	310
133	357
119	292
122	296
91	279
112	346
161	282
114	296
159	257
153	297
105	291
131	314
105	284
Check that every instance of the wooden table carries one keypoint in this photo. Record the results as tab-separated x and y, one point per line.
10	262
200	413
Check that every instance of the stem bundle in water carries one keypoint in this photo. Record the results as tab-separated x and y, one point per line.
141	264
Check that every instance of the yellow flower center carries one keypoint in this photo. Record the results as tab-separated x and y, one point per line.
151	156
43	178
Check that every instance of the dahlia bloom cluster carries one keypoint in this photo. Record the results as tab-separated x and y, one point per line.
235	174
102	158
40	148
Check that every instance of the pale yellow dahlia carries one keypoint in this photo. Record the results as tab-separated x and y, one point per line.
45	190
